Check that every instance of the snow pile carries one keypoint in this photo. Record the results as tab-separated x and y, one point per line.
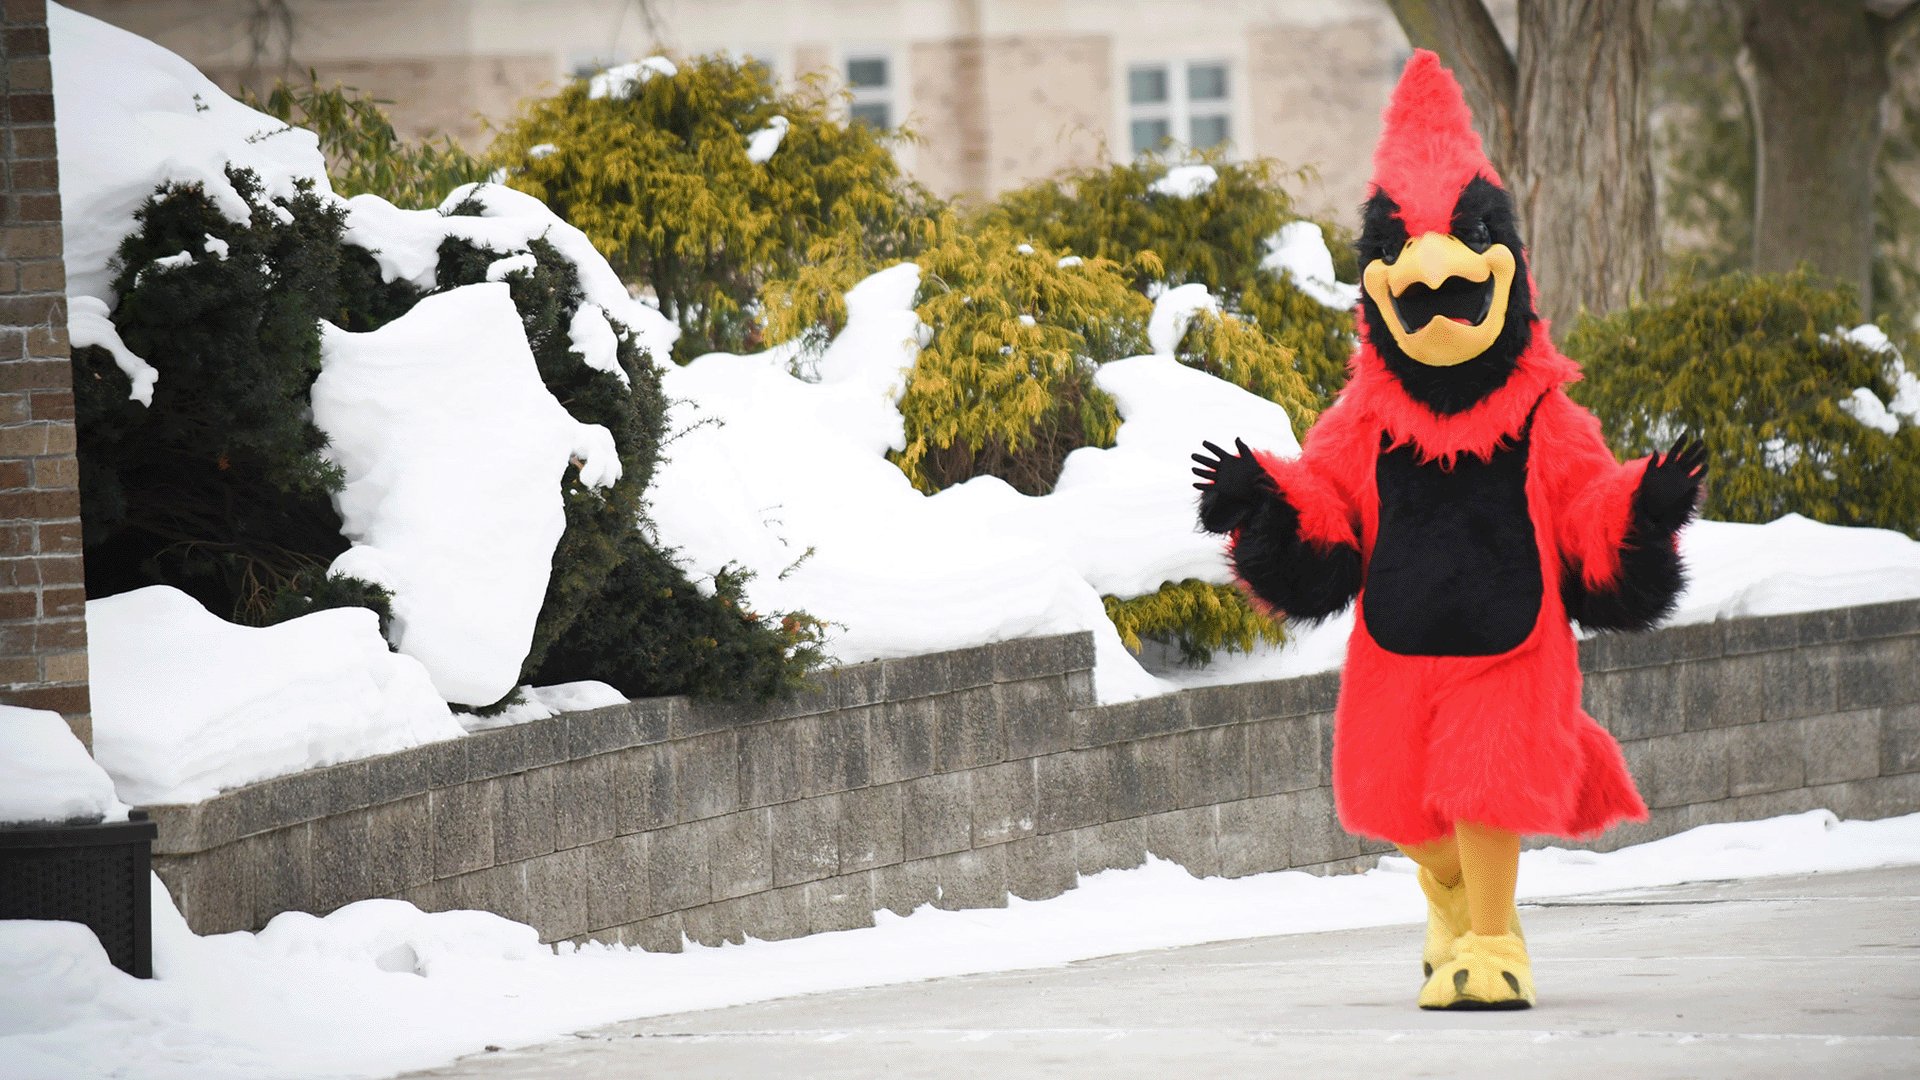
762	144
46	774
789	479
622	81
453	451
540	702
1299	251
133	116
87	324
379	988
1863	405
1185	181
186	704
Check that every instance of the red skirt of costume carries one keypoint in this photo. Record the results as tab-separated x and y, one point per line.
1423	741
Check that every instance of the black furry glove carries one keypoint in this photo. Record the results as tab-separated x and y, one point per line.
1670	488
1232	487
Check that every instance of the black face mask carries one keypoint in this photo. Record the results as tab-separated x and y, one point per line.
1482	216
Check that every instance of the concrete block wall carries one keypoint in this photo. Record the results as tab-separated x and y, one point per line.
963	778
1750	718
43	628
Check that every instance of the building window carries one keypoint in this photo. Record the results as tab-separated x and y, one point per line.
1190	104
871	82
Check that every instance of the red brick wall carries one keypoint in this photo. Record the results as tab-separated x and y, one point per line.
43	628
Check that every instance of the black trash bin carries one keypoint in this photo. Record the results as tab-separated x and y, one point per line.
92	874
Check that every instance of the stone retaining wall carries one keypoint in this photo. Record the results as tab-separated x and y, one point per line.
961	778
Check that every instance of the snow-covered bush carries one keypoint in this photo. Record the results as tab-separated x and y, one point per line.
218	483
699	179
1215	226
1801	414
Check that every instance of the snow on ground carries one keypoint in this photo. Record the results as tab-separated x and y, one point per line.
46	774
186	704
379	987
453	451
789	479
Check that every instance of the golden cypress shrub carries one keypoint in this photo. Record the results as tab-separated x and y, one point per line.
1005	385
1196	616
1217	237
661	182
1757	366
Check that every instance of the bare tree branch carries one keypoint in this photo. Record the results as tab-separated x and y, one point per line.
1464	35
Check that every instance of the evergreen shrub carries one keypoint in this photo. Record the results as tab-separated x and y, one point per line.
1005	385
1757	366
220	487
1194	615
1217	238
364	154
661	182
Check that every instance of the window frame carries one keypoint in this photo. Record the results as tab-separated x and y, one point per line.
1181	109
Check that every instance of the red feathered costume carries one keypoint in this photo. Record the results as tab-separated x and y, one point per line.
1469	505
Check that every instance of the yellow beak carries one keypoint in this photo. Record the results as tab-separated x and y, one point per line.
1454	297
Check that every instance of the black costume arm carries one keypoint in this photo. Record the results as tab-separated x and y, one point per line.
1650	577
1295	577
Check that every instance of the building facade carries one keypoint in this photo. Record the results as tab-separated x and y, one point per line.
998	92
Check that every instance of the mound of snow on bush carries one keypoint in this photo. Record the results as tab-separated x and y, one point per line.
406	245
186	704
1299	251
790	479
133	116
453	451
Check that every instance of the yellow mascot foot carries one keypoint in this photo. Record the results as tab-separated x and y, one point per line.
1447	919
1485	973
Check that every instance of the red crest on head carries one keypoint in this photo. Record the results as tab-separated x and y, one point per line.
1428	150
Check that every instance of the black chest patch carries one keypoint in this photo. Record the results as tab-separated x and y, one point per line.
1455	568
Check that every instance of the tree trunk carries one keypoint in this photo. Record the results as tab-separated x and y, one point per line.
1577	153
1464	35
1817	71
1585	182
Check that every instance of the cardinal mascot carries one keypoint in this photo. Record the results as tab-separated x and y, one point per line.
1471	511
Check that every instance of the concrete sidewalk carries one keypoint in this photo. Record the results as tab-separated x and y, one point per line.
1812	976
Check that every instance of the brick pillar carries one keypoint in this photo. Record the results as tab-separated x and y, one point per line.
43	627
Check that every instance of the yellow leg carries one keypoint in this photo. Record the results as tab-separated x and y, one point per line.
1489	968
1489	866
1439	879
